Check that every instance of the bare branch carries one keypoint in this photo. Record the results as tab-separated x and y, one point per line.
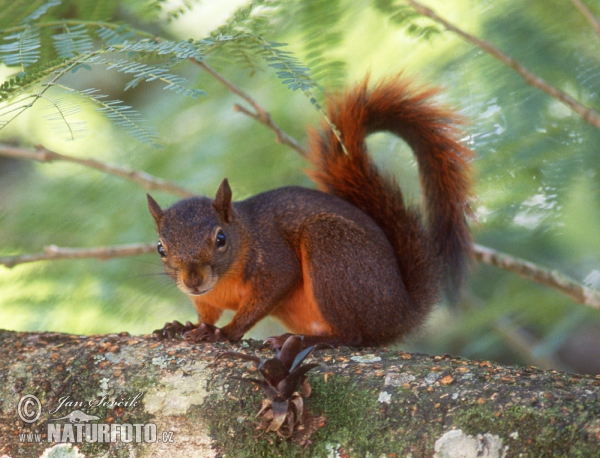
576	291
53	252
588	15
259	114
588	114
567	286
146	180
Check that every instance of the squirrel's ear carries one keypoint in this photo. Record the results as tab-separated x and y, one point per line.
222	202
154	208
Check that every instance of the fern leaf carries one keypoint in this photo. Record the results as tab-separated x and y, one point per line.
162	8
148	73
319	20
73	41
94	10
13	12
405	16
11	111
40	11
62	109
241	29
121	115
23	48
243	50
186	49
289	68
28	78
114	37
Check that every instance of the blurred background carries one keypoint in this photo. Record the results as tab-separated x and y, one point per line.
537	165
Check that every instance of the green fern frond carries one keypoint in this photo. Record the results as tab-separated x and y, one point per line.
293	73
113	37
405	16
185	49
242	51
40	11
175	11
94	10
161	9
289	68
241	38
14	12
144	72
121	115
19	88
244	55
73	41
29	78
23	48
12	110
318	20
240	31
62	109
253	18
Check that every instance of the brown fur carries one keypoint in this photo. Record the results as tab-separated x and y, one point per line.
349	265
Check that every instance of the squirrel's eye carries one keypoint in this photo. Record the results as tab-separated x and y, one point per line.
161	250
220	239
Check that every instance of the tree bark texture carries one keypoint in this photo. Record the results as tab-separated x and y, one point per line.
124	396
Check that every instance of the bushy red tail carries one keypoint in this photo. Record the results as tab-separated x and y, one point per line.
428	252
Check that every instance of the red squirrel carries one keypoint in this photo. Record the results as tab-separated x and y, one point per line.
349	264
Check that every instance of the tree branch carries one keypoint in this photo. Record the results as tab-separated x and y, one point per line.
147	181
553	279
588	114
372	402
53	252
588	15
259	114
567	286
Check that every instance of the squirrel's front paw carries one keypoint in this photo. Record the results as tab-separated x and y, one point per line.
174	329
204	333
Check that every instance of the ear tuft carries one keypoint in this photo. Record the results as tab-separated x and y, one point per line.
222	202
154	208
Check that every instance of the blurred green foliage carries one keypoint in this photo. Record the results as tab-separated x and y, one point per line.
538	163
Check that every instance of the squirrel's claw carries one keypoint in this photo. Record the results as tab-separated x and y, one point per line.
173	330
204	333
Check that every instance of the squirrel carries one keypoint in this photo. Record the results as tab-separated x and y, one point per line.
349	264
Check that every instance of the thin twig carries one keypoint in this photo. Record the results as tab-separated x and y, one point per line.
146	180
260	114
561	283
588	15
588	114
53	252
567	286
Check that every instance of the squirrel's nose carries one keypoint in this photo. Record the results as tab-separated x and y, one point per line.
192	279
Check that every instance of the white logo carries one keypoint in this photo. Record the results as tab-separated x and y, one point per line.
29	408
77	416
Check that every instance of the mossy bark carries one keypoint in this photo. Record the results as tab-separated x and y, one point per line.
174	399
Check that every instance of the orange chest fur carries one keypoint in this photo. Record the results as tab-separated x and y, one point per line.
298	310
228	294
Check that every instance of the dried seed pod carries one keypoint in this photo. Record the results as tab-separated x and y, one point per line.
284	375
